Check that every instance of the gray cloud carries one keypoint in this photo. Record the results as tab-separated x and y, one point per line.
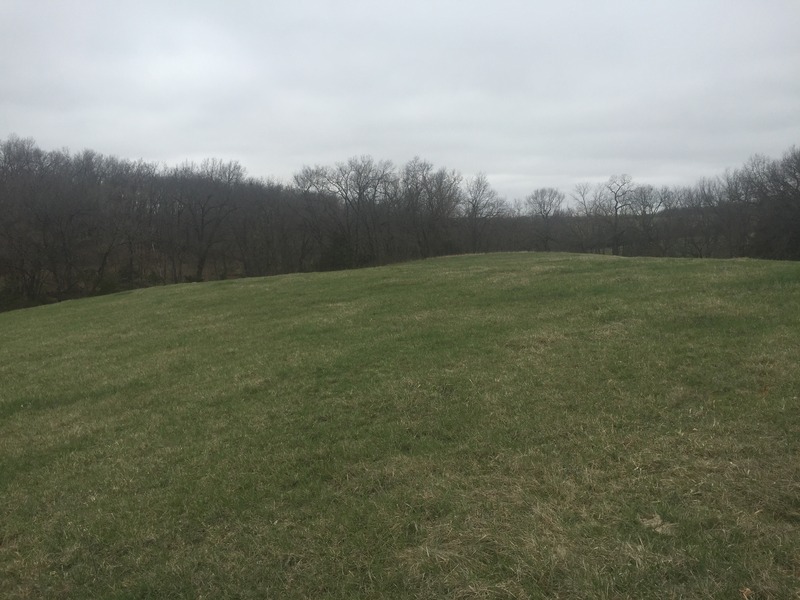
532	93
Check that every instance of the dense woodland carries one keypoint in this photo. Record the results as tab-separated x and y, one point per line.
80	224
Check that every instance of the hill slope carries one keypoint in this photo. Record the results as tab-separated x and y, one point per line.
482	426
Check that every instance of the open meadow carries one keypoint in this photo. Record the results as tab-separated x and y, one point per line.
485	426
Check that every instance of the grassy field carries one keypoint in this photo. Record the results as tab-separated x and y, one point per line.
499	426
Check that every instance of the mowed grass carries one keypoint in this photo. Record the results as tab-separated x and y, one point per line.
499	426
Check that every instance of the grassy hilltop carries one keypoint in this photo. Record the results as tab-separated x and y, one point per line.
500	426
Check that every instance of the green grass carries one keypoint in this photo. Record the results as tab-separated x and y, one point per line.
500	426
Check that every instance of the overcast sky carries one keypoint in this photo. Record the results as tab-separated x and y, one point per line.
532	93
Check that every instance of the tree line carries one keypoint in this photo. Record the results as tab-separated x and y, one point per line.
73	225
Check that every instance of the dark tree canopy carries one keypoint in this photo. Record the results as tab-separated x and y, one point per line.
73	225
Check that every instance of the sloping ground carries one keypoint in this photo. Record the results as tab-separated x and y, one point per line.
471	427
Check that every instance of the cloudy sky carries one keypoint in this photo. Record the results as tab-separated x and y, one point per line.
532	93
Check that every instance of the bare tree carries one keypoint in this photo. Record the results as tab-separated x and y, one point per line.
613	204
22	259
409	206
700	231
206	195
427	201
543	205
645	203
361	186
442	197
481	204
584	216
775	186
